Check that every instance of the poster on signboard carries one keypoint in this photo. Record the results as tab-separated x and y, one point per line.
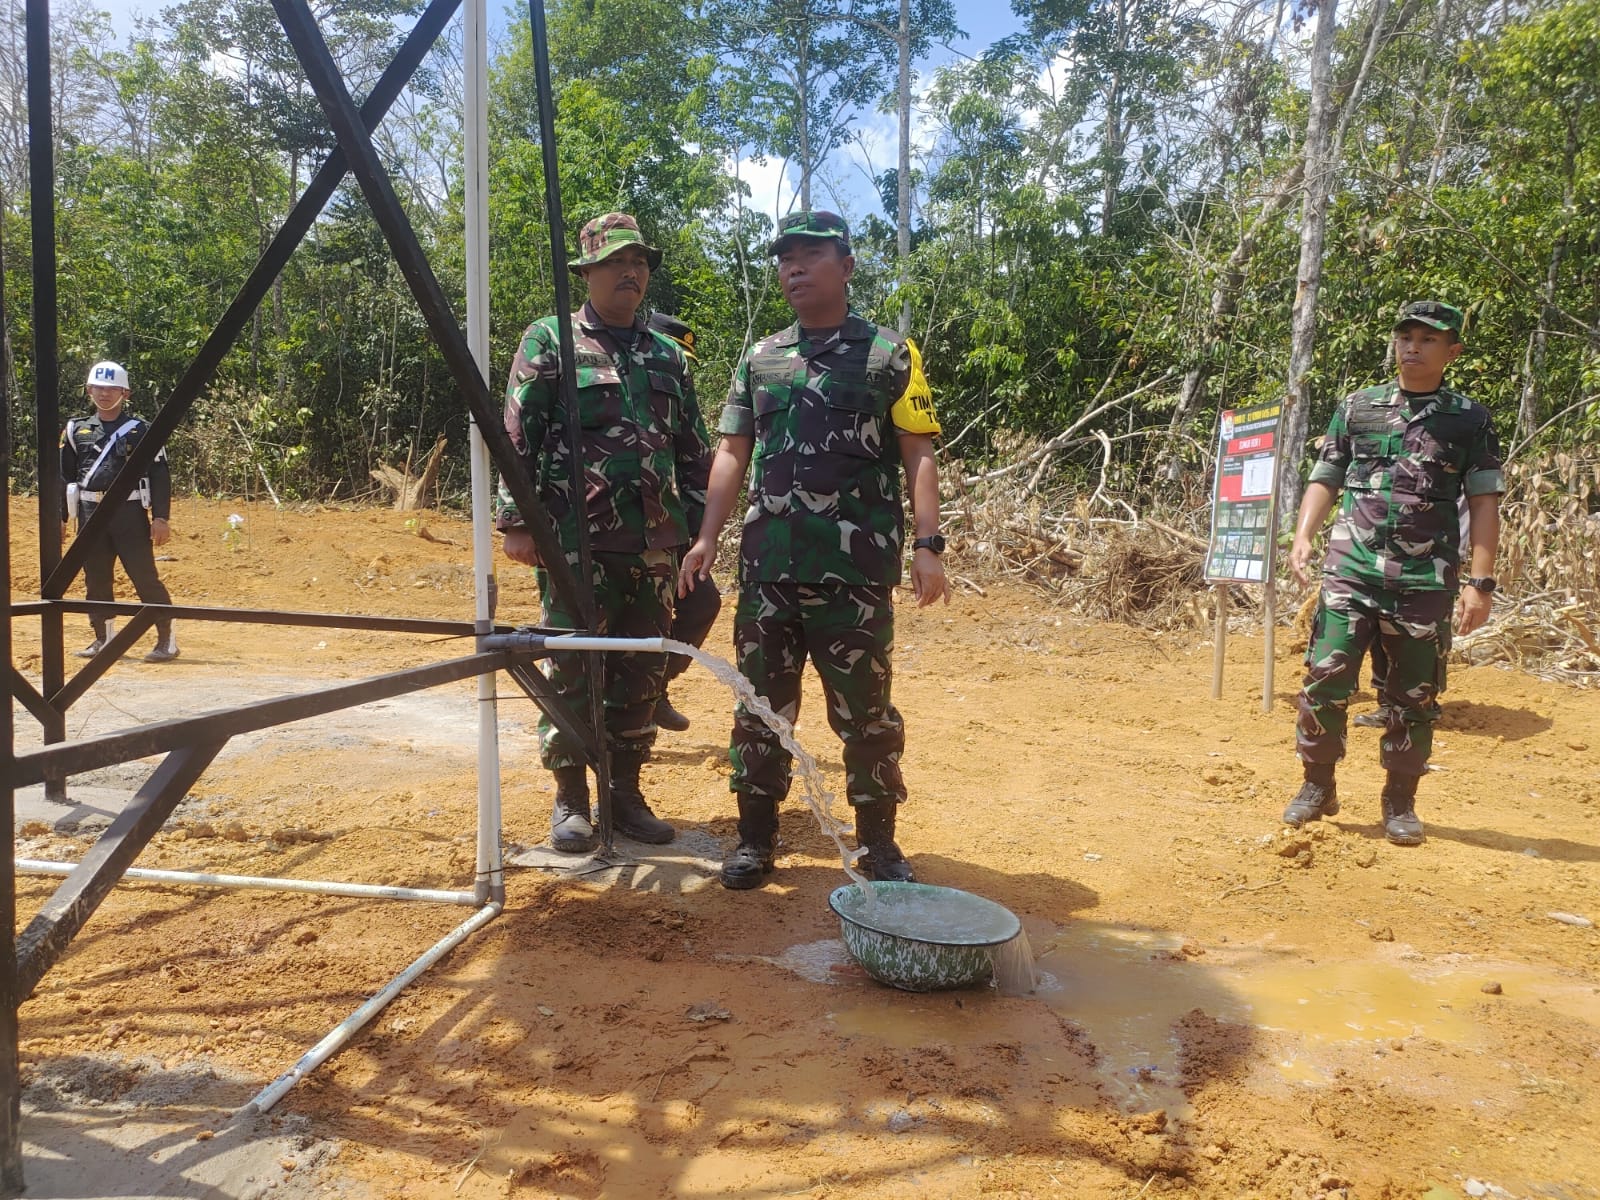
1241	509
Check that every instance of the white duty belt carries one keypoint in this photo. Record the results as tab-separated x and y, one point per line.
95	497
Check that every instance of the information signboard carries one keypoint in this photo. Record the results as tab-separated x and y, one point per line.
1242	528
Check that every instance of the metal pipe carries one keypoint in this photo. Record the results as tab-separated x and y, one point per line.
87	754
251	616
538	643
11	1181
594	673
364	891
46	366
491	883
351	1025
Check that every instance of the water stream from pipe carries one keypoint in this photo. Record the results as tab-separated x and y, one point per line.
817	796
1013	960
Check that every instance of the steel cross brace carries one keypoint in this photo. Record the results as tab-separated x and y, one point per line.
413	263
51	931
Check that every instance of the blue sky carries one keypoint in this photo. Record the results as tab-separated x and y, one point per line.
846	181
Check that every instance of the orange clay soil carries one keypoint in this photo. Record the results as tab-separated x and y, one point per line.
1228	1009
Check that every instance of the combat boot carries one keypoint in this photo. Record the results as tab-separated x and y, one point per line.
1318	797
751	861
166	647
668	717
630	815
571	831
875	831
101	637
1378	718
1400	823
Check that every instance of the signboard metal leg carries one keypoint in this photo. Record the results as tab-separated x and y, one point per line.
1269	630
1220	642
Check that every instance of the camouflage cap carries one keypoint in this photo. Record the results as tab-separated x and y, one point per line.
1435	314
811	223
604	236
675	329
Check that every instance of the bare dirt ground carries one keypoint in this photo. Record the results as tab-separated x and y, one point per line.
1227	1011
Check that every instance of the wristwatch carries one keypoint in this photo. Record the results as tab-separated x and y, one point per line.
1484	583
934	542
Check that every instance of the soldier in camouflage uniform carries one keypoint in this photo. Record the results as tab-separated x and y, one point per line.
830	410
645	458
695	612
1403	453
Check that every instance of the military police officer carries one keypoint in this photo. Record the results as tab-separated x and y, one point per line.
829	410
642	481
93	450
1402	453
696	611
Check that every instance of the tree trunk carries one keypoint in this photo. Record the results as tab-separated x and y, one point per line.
1319	180
1538	344
1112	144
903	205
803	125
1224	303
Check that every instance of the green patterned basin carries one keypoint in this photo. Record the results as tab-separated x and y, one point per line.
920	937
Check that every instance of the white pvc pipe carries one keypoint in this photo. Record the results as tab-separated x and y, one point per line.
579	641
351	1025
366	891
475	126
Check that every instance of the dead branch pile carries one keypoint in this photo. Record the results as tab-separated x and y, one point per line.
1097	554
1093	553
1143	577
1544	635
1550	526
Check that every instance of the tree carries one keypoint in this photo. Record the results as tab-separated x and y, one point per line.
1319	179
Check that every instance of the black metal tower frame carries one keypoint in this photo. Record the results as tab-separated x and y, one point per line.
190	744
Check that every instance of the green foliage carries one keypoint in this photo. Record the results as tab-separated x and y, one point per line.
1093	187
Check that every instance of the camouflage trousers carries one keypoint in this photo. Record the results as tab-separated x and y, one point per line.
633	598
1414	630
848	632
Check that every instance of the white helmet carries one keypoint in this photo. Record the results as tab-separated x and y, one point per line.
108	374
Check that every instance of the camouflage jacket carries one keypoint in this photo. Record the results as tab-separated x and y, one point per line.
825	478
646	454
1402	463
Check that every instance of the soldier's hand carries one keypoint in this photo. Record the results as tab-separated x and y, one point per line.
160	532
697	560
1472	610
1300	560
927	578
520	547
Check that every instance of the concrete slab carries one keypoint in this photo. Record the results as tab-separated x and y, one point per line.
688	863
88	807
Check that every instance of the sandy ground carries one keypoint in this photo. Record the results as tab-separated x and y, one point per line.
1227	1009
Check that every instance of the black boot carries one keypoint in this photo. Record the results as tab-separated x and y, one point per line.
629	813
570	829
1318	797
668	717
1400	823
1378	718
751	862
875	830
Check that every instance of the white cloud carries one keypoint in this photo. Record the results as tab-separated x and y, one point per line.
773	188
